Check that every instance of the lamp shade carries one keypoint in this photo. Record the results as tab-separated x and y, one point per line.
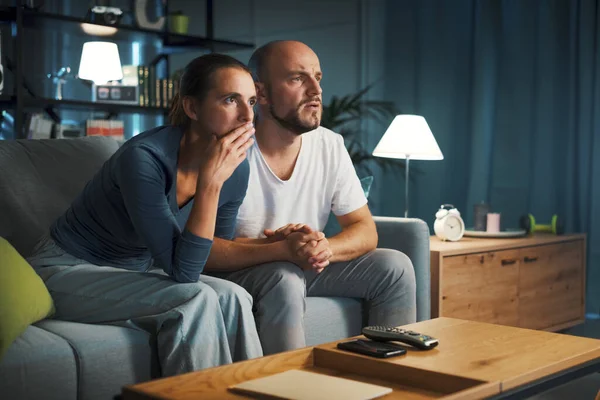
408	136
100	62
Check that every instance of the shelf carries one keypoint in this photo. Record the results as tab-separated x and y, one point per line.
77	105
24	22
171	42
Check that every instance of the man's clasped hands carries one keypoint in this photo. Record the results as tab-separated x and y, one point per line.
310	249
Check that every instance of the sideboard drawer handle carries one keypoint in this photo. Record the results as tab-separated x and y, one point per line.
530	259
508	262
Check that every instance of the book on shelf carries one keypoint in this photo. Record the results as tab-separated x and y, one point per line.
153	90
105	127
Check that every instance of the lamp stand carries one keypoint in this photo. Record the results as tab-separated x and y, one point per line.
406	186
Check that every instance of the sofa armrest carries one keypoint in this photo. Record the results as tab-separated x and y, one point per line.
411	237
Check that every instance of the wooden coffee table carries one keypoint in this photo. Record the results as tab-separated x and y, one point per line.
474	360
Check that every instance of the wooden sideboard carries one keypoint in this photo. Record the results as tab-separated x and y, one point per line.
535	282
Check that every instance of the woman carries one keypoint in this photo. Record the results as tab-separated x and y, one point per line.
131	248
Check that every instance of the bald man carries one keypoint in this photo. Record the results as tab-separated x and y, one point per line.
299	173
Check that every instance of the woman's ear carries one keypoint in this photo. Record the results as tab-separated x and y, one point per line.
261	93
189	106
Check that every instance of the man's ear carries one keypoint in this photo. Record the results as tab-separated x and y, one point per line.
189	106
261	93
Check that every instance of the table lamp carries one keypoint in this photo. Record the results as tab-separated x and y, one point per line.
408	137
100	62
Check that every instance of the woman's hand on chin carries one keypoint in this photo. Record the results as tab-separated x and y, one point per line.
224	155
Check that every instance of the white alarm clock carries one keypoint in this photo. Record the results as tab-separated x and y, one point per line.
448	224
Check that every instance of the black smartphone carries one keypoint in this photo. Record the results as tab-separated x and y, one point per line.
373	348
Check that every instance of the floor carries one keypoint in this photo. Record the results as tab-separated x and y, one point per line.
585	388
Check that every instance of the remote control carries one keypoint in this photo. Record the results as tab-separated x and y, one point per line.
386	334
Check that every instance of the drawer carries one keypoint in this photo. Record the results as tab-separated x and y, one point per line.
481	287
551	285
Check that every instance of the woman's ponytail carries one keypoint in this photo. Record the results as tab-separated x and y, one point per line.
177	115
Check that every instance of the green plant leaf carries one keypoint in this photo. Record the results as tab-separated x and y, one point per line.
344	114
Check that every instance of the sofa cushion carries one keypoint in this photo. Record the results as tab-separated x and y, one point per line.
40	179
38	365
24	299
332	318
108	357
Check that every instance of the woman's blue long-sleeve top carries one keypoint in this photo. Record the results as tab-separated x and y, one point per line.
127	216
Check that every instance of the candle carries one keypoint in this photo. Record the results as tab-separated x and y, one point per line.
493	222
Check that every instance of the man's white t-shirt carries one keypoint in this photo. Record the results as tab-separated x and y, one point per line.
323	180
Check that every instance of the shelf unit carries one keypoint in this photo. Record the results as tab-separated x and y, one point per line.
21	18
80	105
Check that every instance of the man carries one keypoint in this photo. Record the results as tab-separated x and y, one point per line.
299	172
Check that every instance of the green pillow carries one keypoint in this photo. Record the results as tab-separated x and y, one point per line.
24	298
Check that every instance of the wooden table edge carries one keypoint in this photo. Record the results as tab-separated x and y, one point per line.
506	244
549	370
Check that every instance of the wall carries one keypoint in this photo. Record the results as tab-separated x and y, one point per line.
332	28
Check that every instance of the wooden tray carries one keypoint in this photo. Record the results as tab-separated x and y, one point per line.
408	383
508	233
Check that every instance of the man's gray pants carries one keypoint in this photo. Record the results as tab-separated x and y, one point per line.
196	325
384	279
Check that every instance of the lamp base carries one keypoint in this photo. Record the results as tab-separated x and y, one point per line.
406	186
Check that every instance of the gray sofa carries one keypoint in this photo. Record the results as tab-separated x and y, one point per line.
64	360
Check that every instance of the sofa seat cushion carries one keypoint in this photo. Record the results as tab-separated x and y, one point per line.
332	318
108	357
38	365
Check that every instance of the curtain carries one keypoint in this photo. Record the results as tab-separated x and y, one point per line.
511	91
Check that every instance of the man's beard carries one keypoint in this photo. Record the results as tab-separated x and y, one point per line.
293	123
